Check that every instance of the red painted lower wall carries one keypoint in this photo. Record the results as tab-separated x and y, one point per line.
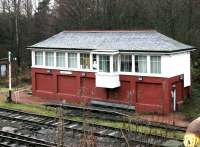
152	94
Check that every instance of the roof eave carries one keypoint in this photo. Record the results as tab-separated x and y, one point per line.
139	51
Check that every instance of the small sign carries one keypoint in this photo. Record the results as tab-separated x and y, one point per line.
65	72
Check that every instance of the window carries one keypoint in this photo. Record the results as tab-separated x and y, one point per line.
60	59
38	58
85	61
141	64
72	60
115	63
49	59
126	63
94	61
155	64
104	63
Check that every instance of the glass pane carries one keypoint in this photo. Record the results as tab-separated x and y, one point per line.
85	61
60	59
49	59
38	58
72	60
155	64
141	64
115	63
126	63
104	63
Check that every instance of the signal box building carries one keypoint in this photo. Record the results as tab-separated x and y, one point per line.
144	69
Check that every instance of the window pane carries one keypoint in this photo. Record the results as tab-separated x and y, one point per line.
104	63
115	63
85	61
141	64
126	63
72	60
60	59
155	64
38	58
49	59
94	61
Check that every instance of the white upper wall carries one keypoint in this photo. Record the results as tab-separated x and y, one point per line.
177	64
171	65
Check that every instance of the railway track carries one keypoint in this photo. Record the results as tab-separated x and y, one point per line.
10	140
116	116
122	135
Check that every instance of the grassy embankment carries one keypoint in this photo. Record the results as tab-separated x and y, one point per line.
42	110
191	106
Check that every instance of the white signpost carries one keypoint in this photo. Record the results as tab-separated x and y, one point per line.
9	98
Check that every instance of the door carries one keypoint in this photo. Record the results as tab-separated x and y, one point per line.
173	93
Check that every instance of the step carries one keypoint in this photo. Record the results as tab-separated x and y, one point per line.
113	105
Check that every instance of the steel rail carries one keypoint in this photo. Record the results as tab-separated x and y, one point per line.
23	140
71	125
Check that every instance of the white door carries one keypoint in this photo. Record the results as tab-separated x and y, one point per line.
173	92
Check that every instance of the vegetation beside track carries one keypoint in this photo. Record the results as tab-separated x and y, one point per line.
48	111
191	106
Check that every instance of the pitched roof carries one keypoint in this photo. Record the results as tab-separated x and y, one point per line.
136	41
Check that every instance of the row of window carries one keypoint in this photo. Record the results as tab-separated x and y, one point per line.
103	62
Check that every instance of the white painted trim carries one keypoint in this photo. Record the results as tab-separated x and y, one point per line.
148	64
66	59
111	63
133	63
120	73
44	58
55	62
105	52
78	61
91	63
171	65
97	63
33	57
119	63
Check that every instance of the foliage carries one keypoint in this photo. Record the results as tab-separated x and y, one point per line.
179	19
191	107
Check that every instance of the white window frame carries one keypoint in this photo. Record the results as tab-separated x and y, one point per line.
110	70
57	60
77	60
82	67
124	55
140	61
35	58
158	65
51	59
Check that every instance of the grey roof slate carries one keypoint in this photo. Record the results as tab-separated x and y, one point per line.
113	40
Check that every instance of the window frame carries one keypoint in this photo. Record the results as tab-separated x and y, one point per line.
139	61
127	63
57	61
41	56
85	57
105	59
49	61
75	60
158	64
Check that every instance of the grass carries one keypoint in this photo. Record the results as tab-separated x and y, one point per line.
37	109
42	110
191	106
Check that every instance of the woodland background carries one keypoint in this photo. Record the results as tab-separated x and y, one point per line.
22	24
